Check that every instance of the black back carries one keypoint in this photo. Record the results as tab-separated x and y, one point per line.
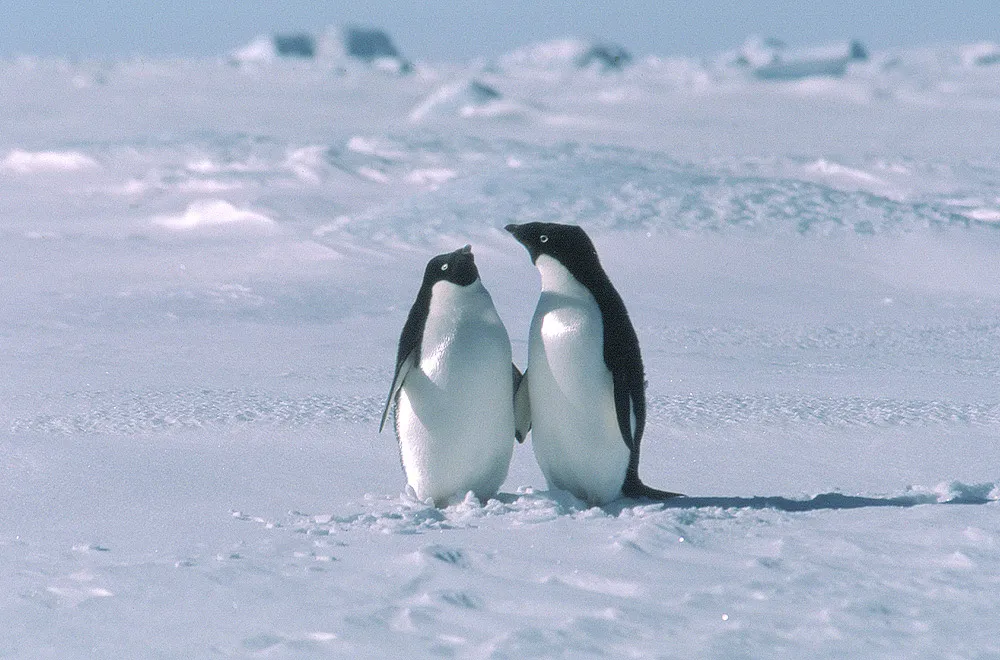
571	246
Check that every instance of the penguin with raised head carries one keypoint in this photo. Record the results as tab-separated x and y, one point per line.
585	377
453	390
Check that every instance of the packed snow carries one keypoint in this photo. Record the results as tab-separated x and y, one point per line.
207	266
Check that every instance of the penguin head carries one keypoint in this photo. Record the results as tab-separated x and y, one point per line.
458	267
568	244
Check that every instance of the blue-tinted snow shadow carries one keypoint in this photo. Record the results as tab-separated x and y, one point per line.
965	494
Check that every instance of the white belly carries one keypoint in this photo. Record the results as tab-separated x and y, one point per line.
575	434
455	415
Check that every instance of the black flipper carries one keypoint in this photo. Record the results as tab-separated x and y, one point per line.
402	368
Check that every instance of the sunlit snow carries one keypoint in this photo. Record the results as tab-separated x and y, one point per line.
207	264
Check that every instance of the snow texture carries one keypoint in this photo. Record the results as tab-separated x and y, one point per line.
206	268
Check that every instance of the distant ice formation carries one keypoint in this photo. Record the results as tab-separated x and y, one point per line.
295	45
770	59
336	46
374	47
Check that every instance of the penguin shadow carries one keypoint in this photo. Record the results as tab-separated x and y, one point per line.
822	502
958	494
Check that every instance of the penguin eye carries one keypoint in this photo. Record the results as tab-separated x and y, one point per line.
444	266
543	239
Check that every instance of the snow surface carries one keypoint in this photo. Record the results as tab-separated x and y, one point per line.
206	268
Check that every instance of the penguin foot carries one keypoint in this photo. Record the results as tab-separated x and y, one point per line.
638	490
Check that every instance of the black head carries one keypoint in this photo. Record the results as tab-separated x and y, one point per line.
458	267
568	244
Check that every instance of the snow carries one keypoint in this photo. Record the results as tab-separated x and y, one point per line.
32	162
465	98
568	54
206	269
261	49
211	212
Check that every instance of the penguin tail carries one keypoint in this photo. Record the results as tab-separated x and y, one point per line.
635	489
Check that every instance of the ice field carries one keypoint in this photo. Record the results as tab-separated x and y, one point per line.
207	263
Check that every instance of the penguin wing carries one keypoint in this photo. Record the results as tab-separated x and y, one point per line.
402	369
522	404
630	408
624	360
408	351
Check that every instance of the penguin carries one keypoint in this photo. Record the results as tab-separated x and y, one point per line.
584	379
452	394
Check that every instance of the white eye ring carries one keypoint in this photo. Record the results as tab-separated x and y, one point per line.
444	266
543	239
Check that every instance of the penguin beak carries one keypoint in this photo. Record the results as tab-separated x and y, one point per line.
518	232
465	255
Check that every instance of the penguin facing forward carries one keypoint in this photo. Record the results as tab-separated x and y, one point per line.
453	391
585	380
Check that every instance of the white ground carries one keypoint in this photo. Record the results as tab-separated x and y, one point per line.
205	270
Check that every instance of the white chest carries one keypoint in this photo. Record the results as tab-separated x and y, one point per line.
566	340
462	331
575	434
455	413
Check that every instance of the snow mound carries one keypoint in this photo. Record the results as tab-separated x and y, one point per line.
980	54
986	215
556	53
29	162
604	56
267	49
208	213
956	492
261	49
465	98
569	54
622	189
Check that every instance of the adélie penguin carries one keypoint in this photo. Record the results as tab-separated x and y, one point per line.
584	379
453	390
